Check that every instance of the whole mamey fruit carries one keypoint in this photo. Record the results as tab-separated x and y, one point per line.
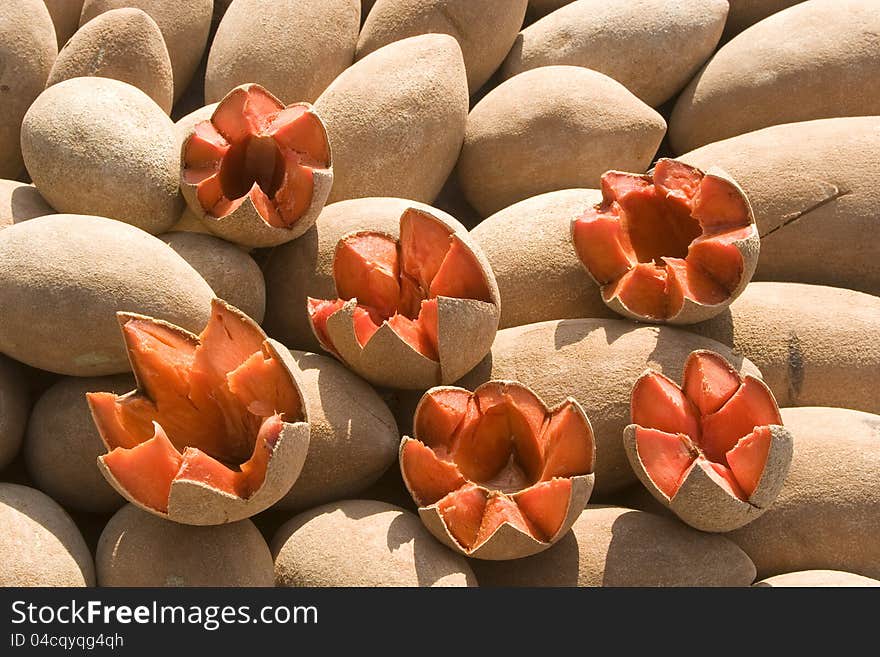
20	202
496	474
364	543
39	542
714	449
613	546
101	146
396	119
595	361
675	245
824	578
823	55
14	407
63	318
552	128
65	17
217	429
139	549
412	311
652	47
257	173
485	29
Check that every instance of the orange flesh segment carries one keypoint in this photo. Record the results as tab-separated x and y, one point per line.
545	505
751	406
460	276
600	245
658	403
501	509
366	267
439	415
667	457
413	333
568	445
724	478
709	381
462	512
319	312
424	244
685	281
748	459
643	290
719	205
428	477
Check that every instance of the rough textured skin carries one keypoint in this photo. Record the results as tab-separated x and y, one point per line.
485	29
20	202
652	47
190	223
812	343
827	513
14	407
613	546
353	436
139	549
184	26
291	47
62	444
101	146
65	17
815	60
596	361
123	44
815	189
39	543
554	127
364	543
27	50
228	269
745	13
63	319
813	578
396	120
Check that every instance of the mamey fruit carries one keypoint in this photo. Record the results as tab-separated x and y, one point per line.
139	549
496	474
595	361
39	542
412	311
824	578
654	48
216	430
613	546
485	29
554	127
396	119
123	44
675	245
65	17
714	449
20	202
14	406
823	55
363	543
63	319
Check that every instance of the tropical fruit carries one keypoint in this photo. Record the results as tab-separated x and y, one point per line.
495	473
713	449
396	119
14	407
364	543
813	578
20	202
675	245
652	47
412	311
553	127
139	549
613	546
65	17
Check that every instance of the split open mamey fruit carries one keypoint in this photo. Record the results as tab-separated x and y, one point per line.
675	245
713	450
258	173
496	474
216	430
412	312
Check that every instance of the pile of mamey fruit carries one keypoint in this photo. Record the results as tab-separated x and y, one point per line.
439	293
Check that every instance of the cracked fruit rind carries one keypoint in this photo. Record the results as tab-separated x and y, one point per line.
216	430
496	474
675	245
714	450
257	173
412	312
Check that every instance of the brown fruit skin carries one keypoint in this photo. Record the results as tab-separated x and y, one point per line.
139	549
27	49
118	141
485	29
614	546
20	202
809	341
292	48
15	405
814	188
745	13
817	578
396	120
63	319
65	17
39	543
554	127
123	44
653	49
596	361
364	543
823	55
353	437
62	444
826	514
